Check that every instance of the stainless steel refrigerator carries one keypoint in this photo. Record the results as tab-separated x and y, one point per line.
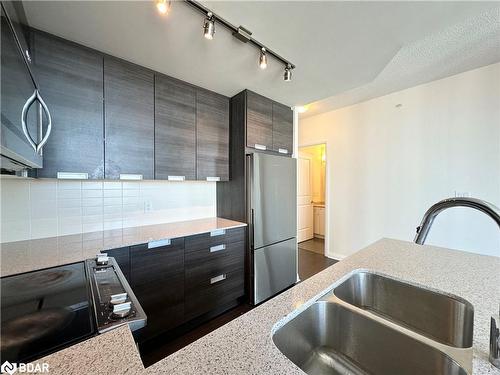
272	212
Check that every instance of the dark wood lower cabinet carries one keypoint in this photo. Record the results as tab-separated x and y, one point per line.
157	279
186	282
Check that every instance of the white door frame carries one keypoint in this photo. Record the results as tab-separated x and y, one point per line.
309	158
328	251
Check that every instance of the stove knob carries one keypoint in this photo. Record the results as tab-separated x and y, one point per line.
102	259
116	299
121	310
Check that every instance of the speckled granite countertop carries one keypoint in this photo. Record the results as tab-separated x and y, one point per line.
24	256
245	346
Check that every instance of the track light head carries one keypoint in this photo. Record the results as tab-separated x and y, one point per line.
209	26
287	76
163	6
263	59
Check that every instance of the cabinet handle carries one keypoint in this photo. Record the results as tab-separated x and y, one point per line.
130	176
24	116
282	150
216	279
214	249
159	243
260	147
218	232
72	176
213	179
176	178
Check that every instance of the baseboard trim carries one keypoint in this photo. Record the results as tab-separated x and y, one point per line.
335	256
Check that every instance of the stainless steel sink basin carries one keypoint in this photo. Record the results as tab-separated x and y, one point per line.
445	319
333	338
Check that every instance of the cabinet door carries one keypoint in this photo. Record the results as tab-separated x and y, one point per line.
259	121
129	119
157	279
175	129
282	129
212	136
71	81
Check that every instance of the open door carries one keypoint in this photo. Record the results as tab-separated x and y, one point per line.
304	200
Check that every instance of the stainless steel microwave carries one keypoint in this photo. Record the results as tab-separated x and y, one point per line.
25	118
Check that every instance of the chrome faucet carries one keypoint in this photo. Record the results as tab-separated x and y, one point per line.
478	204
495	340
423	230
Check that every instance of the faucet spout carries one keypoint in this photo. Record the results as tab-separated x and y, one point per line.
477	204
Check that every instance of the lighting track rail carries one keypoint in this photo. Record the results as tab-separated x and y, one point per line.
241	33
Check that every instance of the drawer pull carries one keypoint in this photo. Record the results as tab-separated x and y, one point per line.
130	176
176	178
72	176
214	249
219	232
159	243
216	279
283	151
260	147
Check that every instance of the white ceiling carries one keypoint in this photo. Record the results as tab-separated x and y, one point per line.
345	52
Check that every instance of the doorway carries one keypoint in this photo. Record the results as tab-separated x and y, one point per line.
311	210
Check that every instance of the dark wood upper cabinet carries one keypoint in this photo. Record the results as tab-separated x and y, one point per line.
175	128
259	124
129	119
282	128
212	136
71	81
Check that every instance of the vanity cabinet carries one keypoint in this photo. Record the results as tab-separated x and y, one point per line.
212	136
72	80
129	120
175	129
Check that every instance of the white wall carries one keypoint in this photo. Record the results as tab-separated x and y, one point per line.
387	164
48	207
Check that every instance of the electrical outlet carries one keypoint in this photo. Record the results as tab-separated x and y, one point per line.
148	206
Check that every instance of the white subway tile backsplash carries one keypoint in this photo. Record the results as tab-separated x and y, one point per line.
92	193
38	208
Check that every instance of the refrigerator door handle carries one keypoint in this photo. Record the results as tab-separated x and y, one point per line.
250	232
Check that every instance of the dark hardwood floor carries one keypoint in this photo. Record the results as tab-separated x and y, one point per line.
310	263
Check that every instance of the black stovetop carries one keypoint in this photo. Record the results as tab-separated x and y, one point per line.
43	311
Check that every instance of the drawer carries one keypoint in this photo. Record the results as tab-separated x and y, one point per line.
217	255
223	236
214	292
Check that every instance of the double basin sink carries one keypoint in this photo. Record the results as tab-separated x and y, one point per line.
372	324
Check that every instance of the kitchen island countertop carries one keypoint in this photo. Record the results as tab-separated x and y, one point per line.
245	346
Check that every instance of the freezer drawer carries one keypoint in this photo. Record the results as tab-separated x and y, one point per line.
275	268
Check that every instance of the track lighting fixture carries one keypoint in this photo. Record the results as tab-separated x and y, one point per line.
263	58
287	76
241	33
209	26
163	6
